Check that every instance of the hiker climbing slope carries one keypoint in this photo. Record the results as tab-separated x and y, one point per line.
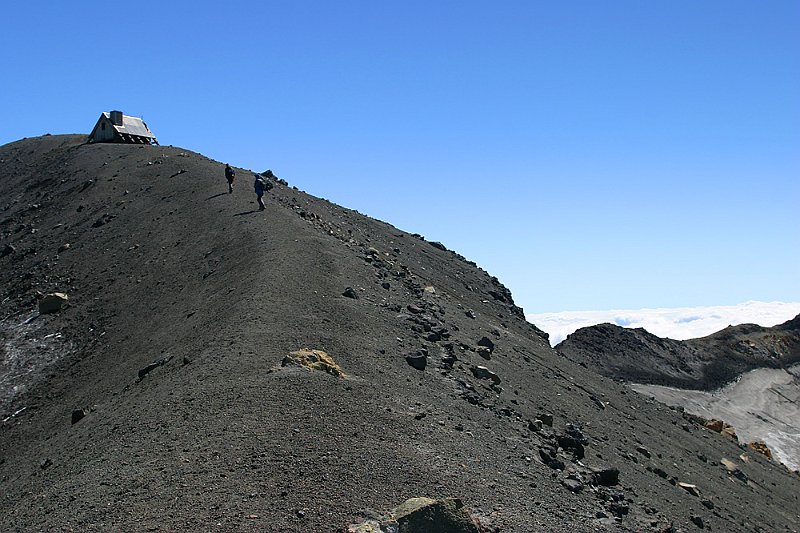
261	186
230	175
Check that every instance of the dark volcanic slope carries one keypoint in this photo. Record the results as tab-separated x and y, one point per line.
162	262
705	363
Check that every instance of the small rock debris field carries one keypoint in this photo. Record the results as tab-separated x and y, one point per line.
163	397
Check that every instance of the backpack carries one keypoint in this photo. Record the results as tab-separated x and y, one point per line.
261	185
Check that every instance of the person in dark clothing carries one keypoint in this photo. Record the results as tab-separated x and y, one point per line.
230	175
260	187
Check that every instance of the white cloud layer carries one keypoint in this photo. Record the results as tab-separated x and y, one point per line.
675	323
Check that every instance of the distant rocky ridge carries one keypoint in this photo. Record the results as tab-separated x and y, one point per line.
706	363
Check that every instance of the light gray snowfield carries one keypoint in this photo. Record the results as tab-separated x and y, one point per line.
763	404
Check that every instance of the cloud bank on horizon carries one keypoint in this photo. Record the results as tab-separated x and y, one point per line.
678	323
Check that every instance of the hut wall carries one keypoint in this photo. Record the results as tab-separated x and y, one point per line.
101	134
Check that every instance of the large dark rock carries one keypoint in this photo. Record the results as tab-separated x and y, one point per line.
417	360
53	302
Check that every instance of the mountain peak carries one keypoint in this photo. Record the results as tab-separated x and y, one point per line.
163	393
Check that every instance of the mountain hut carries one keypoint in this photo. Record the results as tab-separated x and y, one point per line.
114	127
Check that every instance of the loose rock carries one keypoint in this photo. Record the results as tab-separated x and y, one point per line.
481	372
691	489
155	364
487	342
605	476
760	447
698	521
313	360
423	515
417	360
546	418
350	292
78	415
53	302
573	485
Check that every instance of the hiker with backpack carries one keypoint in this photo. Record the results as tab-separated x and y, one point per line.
230	175
261	186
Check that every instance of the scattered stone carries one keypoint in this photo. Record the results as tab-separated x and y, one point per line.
660	472
350	292
64	247
103	220
487	342
78	415
481	372
708	504
53	302
417	360
386	285
734	470
433	336
414	309
313	360
438	245
373	251
760	447
429	289
575	431
500	297
46	463
573	485
691	489
714	425
187	360
548	457
155	364
619	508
418	515
644	451
697	520
598	402
606	477
546	418
484	352
370	526
470	313
8	249
573	445
729	431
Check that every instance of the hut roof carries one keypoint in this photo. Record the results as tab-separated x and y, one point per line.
132	126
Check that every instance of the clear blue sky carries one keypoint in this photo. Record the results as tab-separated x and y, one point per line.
592	155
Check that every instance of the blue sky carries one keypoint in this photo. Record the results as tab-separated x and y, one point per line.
592	155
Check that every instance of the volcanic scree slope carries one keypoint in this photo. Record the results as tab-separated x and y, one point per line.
163	265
